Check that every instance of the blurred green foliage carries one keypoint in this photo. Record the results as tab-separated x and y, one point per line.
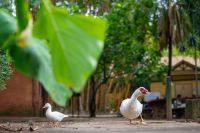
5	70
131	44
61	53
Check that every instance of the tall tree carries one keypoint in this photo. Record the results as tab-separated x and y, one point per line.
174	26
129	52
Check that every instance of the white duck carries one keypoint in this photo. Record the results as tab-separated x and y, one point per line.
53	116
131	108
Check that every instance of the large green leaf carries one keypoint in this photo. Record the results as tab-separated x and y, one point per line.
34	60
22	13
7	28
75	42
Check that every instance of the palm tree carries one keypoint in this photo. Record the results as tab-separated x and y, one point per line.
192	7
173	28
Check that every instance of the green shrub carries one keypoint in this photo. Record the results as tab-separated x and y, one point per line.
5	70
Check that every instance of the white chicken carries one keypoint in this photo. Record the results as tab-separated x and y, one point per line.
53	116
131	108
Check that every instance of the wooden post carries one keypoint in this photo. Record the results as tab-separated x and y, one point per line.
168	99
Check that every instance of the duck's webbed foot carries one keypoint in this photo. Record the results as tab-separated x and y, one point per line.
57	124
142	120
133	123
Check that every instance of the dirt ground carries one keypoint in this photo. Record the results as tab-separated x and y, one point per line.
105	125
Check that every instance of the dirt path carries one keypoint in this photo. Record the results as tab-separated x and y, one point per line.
115	125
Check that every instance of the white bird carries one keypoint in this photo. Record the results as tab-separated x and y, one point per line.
53	116
131	108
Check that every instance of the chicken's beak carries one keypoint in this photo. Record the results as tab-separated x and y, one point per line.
44	107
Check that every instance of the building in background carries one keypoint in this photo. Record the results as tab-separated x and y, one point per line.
183	78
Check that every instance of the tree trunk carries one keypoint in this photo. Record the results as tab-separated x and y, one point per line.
169	57
92	102
92	107
168	84
196	70
44	98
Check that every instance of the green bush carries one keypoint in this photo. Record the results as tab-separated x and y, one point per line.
5	70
